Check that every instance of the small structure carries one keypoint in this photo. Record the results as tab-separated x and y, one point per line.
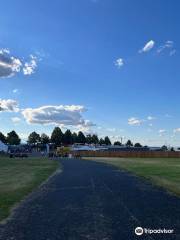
63	151
3	147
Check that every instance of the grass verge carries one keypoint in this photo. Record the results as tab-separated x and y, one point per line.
18	177
163	172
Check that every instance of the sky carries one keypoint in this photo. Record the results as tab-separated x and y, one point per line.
109	67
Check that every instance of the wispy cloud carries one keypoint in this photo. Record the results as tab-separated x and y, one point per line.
29	67
168	115
150	118
135	121
111	129
168	45
176	130
147	47
162	132
15	90
172	52
16	120
119	62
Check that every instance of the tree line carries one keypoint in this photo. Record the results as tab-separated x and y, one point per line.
59	138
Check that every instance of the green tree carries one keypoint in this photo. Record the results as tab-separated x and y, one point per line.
34	138
2	138
89	139
13	138
57	136
107	140
95	139
101	141
74	137
129	143
81	138
44	138
67	138
164	148
117	143
137	145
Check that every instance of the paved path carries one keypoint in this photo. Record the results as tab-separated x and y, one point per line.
93	201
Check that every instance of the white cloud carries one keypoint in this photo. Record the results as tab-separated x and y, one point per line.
15	90
172	52
24	136
111	129
29	67
116	137
148	46
9	65
166	45
15	120
119	62
162	132
177	130
135	121
8	105
150	118
64	115
168	115
4	51
149	130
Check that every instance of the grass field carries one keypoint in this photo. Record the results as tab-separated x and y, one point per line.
164	172
18	177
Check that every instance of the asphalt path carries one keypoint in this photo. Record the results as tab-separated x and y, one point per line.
93	201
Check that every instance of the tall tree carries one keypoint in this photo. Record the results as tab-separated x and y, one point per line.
172	149
164	148
57	136
95	139
81	138
13	138
129	143
44	138
2	138
117	143
33	138
107	140
101	141
67	138
74	137
89	139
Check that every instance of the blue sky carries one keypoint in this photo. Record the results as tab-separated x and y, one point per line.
104	66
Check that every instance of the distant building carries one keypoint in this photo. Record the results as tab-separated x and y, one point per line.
155	149
3	147
111	148
116	148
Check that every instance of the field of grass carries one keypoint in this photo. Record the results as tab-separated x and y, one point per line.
164	172
18	177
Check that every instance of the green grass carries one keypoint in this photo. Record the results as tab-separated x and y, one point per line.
164	172
18	177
